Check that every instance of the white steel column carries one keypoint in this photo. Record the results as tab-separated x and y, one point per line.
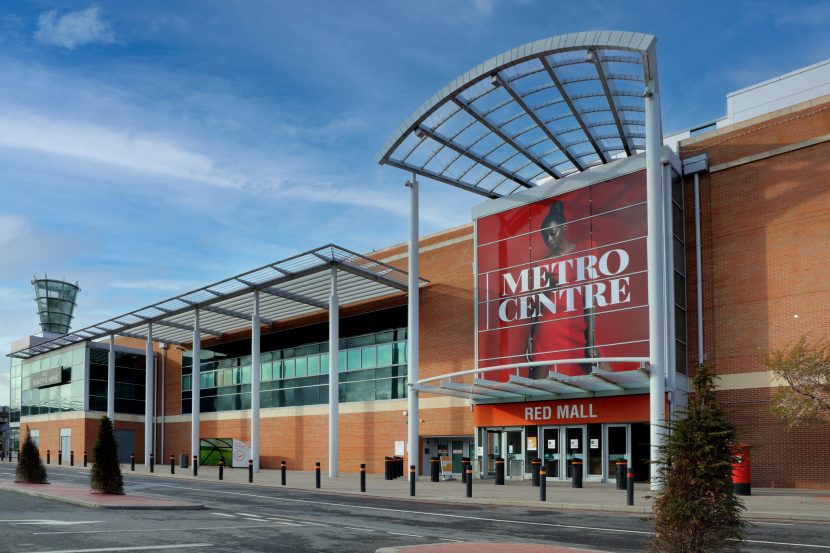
656	274
148	396
412	331
256	373
111	381
334	375
195	386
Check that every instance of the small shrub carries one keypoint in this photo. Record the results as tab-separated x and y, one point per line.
105	476
30	468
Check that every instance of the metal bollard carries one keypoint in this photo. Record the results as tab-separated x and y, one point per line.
60	456
412	478
576	474
221	469
85	459
152	462
48	456
362	477
535	465
629	482
621	482
499	472
317	474
132	462
543	484
195	465
250	471
469	472
172	464
282	472
71	458
435	469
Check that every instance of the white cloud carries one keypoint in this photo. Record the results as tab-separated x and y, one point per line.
74	29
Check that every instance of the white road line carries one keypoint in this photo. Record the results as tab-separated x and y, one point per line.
402	534
248	515
252	519
138	548
448	539
791	544
180	529
774	523
224	515
358	529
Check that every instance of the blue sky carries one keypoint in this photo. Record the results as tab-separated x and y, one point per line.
150	147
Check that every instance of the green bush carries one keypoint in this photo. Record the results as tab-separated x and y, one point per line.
30	468
105	476
696	508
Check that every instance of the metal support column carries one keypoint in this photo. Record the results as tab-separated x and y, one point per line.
656	274
412	332
668	287
701	359
334	375
111	381
196	387
148	396
256	374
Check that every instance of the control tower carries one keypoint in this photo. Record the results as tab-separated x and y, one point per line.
55	303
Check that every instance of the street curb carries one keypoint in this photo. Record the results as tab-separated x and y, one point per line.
92	505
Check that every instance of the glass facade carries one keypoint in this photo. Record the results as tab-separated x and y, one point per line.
129	380
372	367
15	373
66	394
55	304
678	226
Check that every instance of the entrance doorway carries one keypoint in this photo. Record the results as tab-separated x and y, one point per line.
65	444
618	446
561	446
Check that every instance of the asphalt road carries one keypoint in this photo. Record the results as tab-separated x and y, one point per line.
243	518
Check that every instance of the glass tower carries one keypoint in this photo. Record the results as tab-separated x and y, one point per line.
55	304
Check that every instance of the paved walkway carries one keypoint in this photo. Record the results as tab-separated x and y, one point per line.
80	495
765	503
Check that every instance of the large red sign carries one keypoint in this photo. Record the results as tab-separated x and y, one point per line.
565	278
576	411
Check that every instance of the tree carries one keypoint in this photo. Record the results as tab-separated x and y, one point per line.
805	368
105	476
30	468
696	511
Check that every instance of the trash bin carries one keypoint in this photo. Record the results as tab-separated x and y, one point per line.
621	474
535	465
741	469
465	461
435	469
388	473
500	471
184	460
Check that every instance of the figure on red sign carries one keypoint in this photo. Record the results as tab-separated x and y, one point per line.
565	328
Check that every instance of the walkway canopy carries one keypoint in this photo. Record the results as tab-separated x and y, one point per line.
542	111
295	286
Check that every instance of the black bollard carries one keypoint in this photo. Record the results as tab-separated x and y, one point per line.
412	479
152	462
629	481
132	462
576	474
85	459
195	465
317	474
543	484
172	464
48	456
435	469
282	472
60	457
250	471
621	484
535	464
362	477
468	470
499	472
71	458
221	469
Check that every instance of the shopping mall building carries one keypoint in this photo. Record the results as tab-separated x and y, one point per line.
605	261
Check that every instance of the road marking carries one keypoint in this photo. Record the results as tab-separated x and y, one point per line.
179	529
785	543
402	534
448	539
248	515
359	529
223	515
138	548
774	523
50	522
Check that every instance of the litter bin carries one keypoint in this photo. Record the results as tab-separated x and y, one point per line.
741	473
435	469
388	471
535	465
500	471
184	459
465	462
621	475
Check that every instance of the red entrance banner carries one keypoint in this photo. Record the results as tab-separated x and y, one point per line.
568	411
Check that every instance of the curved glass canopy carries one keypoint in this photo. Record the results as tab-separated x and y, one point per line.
539	112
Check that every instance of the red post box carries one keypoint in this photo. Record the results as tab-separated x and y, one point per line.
741	469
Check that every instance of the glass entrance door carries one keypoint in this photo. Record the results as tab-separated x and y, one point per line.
457	454
574	447
551	451
618	438
515	454
494	450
